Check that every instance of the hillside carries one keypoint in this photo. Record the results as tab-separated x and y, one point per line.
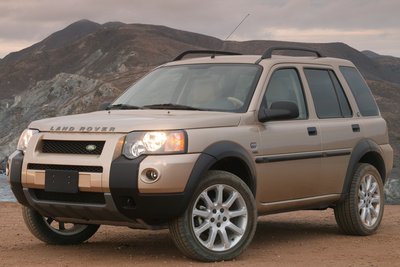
104	51
77	68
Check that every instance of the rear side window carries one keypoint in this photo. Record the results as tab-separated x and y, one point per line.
329	98
364	98
343	102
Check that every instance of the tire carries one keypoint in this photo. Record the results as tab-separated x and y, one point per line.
362	210
220	220
44	228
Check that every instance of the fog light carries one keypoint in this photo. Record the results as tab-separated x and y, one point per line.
150	175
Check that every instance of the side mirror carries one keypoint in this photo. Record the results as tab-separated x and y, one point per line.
281	110
103	106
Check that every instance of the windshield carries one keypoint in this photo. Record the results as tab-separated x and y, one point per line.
216	87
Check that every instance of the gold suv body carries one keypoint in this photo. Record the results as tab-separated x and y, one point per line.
205	145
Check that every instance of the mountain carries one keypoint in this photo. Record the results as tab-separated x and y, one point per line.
95	50
77	68
370	54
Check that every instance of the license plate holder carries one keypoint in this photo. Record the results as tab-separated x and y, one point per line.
61	181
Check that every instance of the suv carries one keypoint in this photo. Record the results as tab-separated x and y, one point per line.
205	145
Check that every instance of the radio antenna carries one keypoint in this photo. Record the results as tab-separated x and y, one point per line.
237	27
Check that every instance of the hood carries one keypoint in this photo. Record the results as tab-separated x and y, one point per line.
124	121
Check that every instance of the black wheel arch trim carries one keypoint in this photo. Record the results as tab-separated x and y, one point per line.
359	151
214	153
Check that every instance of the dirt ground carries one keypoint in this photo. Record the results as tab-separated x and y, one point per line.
305	238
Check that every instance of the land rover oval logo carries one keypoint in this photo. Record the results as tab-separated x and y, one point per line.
90	148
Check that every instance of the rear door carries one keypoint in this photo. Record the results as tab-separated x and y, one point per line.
339	128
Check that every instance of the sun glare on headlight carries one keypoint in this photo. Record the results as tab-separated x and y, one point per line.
157	142
154	140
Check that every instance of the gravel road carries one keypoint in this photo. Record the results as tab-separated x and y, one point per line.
305	238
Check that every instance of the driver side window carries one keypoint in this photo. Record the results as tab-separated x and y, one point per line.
285	85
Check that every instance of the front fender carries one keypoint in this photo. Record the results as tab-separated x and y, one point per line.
210	156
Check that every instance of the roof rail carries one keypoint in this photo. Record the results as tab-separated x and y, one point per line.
212	52
268	52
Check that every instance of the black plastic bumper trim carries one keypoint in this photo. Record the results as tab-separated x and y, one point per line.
81	197
16	160
152	208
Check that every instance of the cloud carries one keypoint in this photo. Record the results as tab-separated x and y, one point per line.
9	45
320	35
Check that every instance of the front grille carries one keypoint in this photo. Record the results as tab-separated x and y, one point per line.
73	147
81	197
34	166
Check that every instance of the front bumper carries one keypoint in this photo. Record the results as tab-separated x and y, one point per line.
121	203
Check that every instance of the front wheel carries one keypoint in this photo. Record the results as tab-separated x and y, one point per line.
54	232
362	210
220	220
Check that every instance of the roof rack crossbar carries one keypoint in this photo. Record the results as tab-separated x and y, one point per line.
268	52
211	52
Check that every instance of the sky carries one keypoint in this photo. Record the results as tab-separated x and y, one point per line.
363	24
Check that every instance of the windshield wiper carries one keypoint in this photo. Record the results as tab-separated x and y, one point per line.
171	106
122	106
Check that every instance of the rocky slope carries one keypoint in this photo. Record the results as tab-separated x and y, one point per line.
64	94
76	69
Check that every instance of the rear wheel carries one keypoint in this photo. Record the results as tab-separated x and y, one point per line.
362	211
54	232
220	220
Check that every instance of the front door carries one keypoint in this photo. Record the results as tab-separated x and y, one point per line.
289	158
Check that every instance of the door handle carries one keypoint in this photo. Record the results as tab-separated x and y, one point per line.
312	131
355	128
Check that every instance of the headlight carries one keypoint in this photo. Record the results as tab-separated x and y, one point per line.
165	142
24	139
